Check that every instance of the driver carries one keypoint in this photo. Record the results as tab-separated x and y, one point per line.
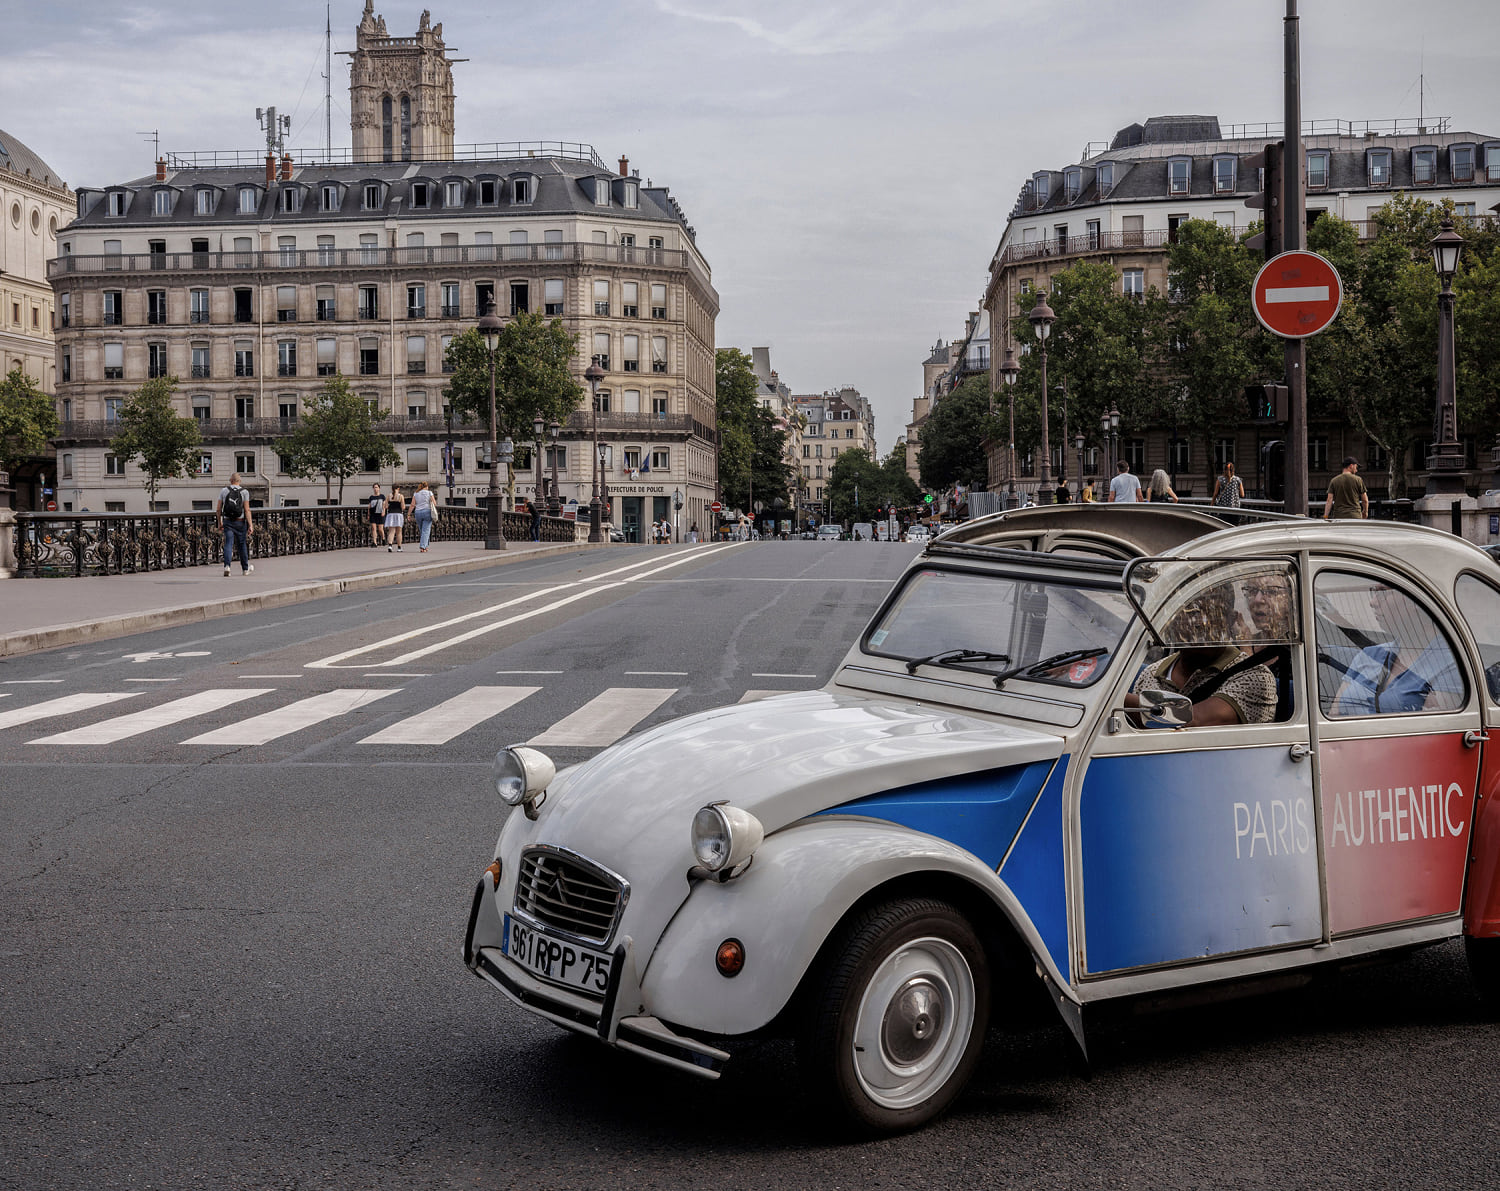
1243	695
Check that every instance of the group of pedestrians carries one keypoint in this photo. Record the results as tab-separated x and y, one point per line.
388	516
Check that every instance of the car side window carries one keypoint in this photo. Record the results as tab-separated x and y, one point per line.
1379	651
1480	605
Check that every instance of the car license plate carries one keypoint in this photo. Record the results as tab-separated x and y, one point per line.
568	964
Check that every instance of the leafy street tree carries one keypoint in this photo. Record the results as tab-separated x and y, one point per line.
856	486
771	472
899	489
953	437
335	435
28	418
152	429
734	401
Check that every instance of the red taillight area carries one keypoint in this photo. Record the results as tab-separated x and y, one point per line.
730	957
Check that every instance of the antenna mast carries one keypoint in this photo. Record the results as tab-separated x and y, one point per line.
328	80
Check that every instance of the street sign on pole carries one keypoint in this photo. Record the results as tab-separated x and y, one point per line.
716	507
1296	294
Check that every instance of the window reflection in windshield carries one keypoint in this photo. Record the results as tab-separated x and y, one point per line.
1016	622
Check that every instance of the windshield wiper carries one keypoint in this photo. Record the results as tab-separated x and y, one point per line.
1057	659
949	656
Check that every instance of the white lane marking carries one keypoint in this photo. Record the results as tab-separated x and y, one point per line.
783	676
409	675
656	673
293	717
440	724
152	718
438	646
32	681
1298	293
254	676
690	556
61	706
530	671
606	717
151	680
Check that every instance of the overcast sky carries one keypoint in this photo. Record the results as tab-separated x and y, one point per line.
848	164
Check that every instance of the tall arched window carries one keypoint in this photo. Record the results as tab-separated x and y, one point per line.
385	128
405	128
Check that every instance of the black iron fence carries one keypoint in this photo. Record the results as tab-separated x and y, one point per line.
57	545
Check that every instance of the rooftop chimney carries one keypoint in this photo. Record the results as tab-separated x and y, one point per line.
270	169
286	167
161	169
624	167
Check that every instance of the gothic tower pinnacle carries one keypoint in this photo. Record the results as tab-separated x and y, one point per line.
400	92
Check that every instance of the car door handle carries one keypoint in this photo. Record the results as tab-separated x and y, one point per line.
1299	751
1471	738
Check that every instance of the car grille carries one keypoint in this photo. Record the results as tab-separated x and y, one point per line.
569	894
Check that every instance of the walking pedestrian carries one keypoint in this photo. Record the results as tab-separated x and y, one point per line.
1088	490
1124	488
1159	489
395	518
1347	497
233	510
1229	489
377	515
536	521
693	533
1062	495
424	509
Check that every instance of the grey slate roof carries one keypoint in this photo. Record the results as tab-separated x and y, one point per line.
15	155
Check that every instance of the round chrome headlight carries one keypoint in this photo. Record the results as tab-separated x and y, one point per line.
725	837
521	774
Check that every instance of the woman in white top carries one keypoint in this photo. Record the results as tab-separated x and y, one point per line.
424	509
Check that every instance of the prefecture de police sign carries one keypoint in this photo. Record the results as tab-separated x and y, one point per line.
1296	294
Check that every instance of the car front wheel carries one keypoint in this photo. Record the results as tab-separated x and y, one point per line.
899	1010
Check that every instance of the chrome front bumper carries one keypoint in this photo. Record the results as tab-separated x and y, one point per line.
602	1019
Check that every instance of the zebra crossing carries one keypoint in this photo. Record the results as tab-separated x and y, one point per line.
611	714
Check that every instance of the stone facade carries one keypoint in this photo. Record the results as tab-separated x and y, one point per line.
400	92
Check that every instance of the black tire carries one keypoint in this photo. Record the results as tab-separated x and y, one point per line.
896	1015
1484	967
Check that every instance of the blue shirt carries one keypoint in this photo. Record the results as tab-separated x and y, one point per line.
1371	689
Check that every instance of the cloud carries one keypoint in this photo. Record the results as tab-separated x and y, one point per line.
843	28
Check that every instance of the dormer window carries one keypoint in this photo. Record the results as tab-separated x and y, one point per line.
289	200
116	203
487	192
601	192
632	198
419	195
1423	167
330	198
1225	174
1041	190
161	202
1492	162
1072	183
1461	162
1378	166
247	200
1317	171
520	191
203	201
372	196
1179	175
1106	177
453	194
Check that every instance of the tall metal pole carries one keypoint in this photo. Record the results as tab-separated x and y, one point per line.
554	498
328	80
1010	391
1446	459
494	535
1044	484
1293	206
594	375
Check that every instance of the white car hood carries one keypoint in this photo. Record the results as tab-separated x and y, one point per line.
782	758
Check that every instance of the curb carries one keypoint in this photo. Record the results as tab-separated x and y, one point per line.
107	628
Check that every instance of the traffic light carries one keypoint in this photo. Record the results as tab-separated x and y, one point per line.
1268	403
1271	238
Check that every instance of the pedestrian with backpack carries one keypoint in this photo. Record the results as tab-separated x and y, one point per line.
377	515
233	510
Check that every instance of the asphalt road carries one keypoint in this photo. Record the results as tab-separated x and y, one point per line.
230	963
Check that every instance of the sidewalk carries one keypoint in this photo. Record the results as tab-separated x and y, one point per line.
37	614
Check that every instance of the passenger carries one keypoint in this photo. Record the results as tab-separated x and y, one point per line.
1229	693
1400	674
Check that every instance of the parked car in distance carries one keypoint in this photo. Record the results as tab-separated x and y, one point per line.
1001	800
829	533
917	533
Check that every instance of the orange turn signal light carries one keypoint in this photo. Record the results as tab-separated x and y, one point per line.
730	957
493	869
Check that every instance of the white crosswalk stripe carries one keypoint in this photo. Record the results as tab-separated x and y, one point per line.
452	717
606	717
293	717
65	705
124	726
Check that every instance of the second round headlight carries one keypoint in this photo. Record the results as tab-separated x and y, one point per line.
521	774
724	836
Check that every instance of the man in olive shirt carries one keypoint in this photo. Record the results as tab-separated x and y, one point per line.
1346	494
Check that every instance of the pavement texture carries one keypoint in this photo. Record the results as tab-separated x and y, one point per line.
37	614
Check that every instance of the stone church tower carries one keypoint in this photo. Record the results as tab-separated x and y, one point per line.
400	93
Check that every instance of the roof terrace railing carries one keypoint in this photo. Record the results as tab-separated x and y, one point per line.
312	158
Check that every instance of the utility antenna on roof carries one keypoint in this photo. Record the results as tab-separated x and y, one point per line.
275	127
328	80
154	136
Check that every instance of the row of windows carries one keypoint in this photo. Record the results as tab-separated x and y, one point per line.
329	197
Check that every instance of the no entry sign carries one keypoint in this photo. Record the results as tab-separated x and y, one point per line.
1296	294
717	507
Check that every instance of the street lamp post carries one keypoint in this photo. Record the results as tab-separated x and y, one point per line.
594	374
1063	452
494	537
538	428
1042	318
677	514
1078	446
554	498
1009	370
1445	463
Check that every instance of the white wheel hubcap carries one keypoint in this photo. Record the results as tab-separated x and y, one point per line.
914	1023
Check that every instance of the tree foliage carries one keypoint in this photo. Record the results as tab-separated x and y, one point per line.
752	447
533	375
953	437
334	437
856	486
28	418
166	443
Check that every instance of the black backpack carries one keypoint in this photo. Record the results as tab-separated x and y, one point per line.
233	508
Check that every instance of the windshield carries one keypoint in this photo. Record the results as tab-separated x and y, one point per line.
995	624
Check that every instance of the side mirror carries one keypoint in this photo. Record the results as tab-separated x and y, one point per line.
1166	708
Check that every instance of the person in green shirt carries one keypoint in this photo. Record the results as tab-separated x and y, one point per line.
1347	497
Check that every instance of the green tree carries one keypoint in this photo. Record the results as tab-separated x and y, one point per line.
899	488
533	375
856	486
772	473
735	387
28	418
166	443
953	437
335	434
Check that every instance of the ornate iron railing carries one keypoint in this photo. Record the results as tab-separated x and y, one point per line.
58	545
